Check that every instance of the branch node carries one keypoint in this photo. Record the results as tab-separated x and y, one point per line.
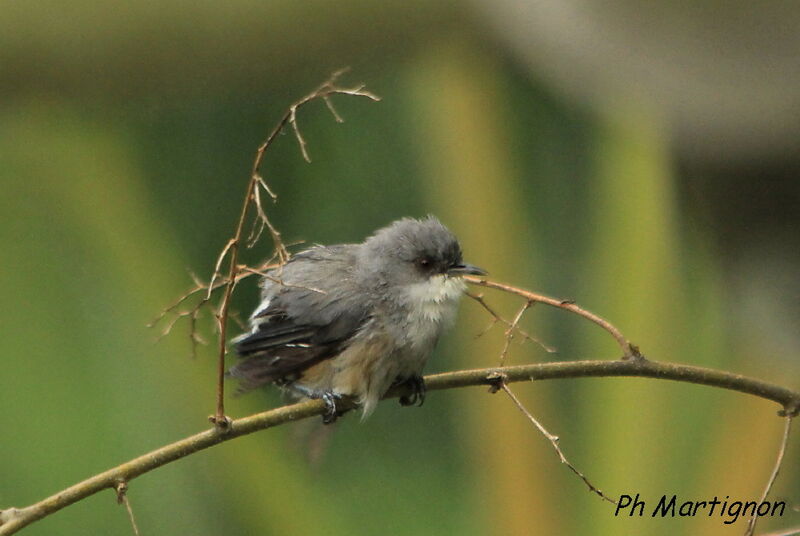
496	380
8	514
790	410
121	488
634	354
122	498
222	423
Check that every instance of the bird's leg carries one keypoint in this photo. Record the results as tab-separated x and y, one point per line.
329	397
417	385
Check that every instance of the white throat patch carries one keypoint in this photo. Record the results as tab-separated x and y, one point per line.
435	300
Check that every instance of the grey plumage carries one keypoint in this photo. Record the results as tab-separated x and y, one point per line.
353	319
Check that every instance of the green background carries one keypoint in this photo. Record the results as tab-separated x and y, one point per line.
126	138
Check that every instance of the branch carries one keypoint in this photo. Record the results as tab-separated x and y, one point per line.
553	439
629	351
14	519
512	328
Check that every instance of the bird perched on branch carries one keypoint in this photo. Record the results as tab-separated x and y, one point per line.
355	319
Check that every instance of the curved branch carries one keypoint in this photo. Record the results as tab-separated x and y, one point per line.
628	350
14	519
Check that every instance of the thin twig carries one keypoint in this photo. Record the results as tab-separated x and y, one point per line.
174	312
300	140
278	280
194	336
323	91
122	498
509	334
629	350
335	114
14	519
751	524
231	244
497	318
259	218
554	441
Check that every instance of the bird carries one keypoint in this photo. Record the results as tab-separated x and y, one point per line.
354	320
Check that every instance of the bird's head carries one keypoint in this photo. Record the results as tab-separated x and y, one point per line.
411	251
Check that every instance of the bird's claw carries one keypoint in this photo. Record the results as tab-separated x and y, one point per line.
331	412
418	390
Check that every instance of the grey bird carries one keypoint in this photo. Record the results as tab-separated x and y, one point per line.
355	319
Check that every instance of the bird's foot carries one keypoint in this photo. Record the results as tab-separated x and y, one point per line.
418	390
331	412
329	397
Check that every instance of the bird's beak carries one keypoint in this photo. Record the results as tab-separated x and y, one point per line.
465	269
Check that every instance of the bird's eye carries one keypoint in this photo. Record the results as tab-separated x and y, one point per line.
424	262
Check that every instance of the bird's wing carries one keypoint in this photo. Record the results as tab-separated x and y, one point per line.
306	316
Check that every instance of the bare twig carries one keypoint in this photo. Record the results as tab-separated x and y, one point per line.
509	334
224	253
554	441
173	308
324	91
335	114
14	519
178	310
629	350
278	280
497	318
751	523
122	498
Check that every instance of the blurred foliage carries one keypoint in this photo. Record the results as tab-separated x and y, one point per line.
114	186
